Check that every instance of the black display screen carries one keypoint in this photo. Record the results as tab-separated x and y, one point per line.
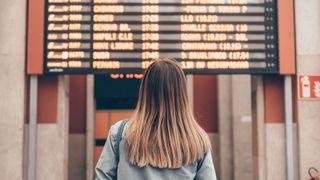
116	91
125	36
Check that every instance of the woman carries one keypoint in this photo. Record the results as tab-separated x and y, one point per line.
162	140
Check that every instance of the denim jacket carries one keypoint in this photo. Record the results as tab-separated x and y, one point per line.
108	169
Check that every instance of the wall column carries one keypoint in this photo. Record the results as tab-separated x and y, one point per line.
225	127
53	128
12	88
242	126
90	128
258	128
235	135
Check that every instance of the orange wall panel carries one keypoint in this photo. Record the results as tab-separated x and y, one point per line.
286	33
47	99
205	99
102	124
104	120
120	115
274	99
35	36
77	105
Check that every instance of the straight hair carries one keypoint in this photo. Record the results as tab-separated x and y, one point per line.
163	132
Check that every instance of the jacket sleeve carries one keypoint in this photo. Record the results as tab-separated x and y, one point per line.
206	169
106	168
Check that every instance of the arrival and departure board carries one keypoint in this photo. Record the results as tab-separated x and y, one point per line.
125	36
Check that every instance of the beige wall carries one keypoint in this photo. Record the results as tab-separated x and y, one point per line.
308	63
12	89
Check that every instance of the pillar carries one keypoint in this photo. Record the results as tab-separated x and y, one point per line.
241	126
258	128
12	88
90	128
53	128
225	127
235	135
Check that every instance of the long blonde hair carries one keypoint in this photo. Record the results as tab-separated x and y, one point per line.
163	132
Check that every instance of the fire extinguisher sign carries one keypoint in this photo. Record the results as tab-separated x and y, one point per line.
309	87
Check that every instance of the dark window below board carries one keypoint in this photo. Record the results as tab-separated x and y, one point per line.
115	103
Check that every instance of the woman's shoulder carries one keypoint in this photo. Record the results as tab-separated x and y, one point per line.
116	127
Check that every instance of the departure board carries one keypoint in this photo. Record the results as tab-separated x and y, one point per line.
125	36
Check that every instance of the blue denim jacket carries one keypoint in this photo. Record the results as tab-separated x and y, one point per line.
107	168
